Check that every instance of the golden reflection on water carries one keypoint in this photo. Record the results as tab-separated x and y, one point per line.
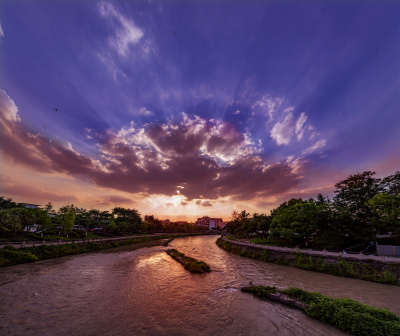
150	260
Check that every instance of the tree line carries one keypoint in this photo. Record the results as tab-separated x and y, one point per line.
15	219
362	208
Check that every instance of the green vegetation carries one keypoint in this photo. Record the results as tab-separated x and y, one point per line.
166	243
363	207
346	268
346	314
18	222
10	255
191	264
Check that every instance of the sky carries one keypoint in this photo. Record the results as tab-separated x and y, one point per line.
181	109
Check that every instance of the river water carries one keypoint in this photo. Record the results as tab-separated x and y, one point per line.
131	291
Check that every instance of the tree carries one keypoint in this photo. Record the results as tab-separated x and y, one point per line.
355	191
386	210
7	203
300	220
239	224
43	221
353	194
127	220
391	184
10	223
66	215
112	226
262	223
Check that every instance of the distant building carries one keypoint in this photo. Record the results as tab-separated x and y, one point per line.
29	206
209	223
166	221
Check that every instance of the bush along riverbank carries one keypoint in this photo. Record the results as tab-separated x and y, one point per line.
10	255
375	271
346	314
166	243
191	264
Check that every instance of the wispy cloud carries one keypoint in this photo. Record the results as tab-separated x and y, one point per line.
317	146
1	31
268	105
127	33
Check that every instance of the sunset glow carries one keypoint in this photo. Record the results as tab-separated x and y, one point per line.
184	109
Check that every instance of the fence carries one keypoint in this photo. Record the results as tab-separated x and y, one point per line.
321	253
62	242
388	250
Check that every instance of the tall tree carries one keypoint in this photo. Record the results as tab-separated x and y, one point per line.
353	194
127	220
391	184
298	221
386	210
66	215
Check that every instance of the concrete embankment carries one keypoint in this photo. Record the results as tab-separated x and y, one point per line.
371	270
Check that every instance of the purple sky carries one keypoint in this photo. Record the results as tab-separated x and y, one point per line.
189	108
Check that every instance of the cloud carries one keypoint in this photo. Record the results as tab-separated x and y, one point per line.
127	33
21	146
114	200
204	159
299	130
144	111
317	146
203	203
39	194
268	105
282	132
1	31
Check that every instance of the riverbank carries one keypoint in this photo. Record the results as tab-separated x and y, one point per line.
10	255
346	314
369	270
189	263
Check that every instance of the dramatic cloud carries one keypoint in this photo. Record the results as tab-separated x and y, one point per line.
34	150
39	194
194	158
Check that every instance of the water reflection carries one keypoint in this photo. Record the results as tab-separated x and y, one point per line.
129	291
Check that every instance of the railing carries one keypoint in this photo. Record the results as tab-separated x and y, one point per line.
322	253
62	242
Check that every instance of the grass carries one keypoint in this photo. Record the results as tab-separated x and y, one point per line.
10	255
191	264
351	269
346	314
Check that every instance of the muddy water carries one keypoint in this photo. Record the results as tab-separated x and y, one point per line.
129	291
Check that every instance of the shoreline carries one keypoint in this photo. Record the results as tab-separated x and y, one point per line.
10	255
387	273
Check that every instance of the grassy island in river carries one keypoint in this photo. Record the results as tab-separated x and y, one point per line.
346	314
191	264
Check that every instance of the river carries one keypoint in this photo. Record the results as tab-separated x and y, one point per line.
131	291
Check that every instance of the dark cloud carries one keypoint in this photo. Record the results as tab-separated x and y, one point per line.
40	195
33	150
114	200
206	159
